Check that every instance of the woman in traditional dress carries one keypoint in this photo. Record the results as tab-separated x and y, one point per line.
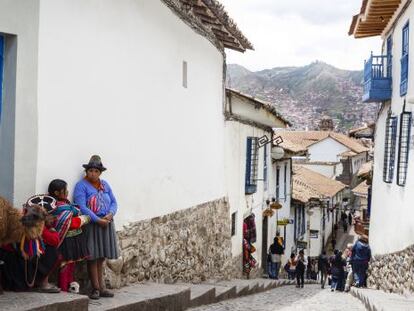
95	198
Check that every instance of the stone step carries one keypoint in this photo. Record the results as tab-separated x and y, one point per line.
377	300
242	288
147	296
11	301
202	295
225	292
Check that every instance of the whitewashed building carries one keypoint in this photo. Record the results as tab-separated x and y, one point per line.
332	154
141	83
256	172
389	81
316	200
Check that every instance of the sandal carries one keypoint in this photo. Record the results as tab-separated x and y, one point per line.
94	294
49	289
106	293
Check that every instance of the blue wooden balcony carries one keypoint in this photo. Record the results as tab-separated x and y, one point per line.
377	79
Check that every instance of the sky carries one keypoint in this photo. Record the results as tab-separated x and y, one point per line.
298	32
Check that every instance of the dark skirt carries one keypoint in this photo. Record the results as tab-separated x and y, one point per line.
14	274
102	242
74	248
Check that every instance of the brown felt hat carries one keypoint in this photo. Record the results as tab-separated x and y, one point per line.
95	162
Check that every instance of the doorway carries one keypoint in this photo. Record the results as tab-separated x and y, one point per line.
264	245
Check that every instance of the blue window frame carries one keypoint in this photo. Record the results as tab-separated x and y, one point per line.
1	72
389	148
265	168
403	147
251	165
285	182
389	57
404	60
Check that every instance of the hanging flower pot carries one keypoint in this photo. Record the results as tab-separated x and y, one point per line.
275	205
268	212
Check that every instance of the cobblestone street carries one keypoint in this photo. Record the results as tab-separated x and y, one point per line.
289	298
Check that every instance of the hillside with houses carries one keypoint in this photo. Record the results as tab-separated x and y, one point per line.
305	94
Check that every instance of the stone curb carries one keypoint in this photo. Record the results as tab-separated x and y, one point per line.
377	300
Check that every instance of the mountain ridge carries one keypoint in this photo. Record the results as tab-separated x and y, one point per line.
304	94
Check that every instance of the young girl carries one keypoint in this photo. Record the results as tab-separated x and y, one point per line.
69	224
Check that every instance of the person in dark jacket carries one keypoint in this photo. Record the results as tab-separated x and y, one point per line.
361	255
323	266
276	251
350	219
337	270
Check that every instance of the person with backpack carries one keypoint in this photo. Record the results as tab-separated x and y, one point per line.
301	263
323	266
276	251
361	255
337	269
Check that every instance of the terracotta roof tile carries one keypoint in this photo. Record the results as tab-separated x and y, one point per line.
308	184
361	189
305	139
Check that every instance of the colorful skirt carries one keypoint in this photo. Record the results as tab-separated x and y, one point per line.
102	242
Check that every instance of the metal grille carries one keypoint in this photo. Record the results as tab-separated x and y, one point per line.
389	148
252	160
403	147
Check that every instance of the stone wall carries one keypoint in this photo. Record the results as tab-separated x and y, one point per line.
190	245
393	272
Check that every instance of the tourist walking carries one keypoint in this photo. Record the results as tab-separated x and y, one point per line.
348	268
291	266
276	251
337	270
95	198
301	264
350	219
361	255
323	266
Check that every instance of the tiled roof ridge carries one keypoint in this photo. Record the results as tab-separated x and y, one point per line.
218	9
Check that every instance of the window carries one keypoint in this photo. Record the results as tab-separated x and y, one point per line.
251	165
233	224
327	206
389	148
403	147
277	183
265	168
389	57
300	222
285	182
184	74
404	60
1	71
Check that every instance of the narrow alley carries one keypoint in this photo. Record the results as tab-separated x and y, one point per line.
289	298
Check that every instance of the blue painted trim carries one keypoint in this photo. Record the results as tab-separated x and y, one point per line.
1	72
405	59
377	79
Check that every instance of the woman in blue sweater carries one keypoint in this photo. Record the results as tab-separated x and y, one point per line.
95	198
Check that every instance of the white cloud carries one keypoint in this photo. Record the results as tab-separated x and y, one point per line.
297	32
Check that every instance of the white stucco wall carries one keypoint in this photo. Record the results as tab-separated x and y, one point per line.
19	24
235	154
358	161
326	150
328	170
392	205
110	83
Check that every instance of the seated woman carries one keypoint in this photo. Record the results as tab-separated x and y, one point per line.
30	263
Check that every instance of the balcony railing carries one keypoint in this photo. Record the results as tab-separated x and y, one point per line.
377	79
